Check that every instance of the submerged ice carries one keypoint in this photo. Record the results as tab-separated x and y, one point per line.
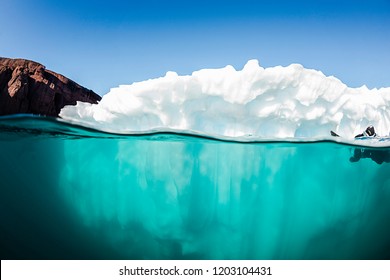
187	198
260	102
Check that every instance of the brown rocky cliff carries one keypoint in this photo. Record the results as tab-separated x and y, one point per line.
27	87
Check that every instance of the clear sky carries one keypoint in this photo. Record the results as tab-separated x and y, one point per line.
102	44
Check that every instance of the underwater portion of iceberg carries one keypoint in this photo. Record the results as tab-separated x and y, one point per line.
179	199
170	196
276	102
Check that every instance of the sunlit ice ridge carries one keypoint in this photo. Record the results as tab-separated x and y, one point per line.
253	103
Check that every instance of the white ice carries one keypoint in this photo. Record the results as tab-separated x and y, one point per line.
277	102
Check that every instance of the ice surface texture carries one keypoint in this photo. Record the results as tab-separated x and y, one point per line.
275	102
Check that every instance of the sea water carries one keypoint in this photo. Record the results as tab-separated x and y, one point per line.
68	192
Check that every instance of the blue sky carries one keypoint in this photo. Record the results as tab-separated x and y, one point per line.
101	44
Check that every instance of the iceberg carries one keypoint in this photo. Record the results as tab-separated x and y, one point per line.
220	164
276	102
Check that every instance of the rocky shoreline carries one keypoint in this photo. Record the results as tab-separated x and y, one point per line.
27	87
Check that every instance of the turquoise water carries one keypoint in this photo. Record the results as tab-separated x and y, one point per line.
72	193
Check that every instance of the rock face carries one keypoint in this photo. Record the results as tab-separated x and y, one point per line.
28	87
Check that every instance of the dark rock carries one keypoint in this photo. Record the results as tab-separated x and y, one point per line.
28	87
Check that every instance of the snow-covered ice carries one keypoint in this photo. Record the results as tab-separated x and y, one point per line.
276	102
